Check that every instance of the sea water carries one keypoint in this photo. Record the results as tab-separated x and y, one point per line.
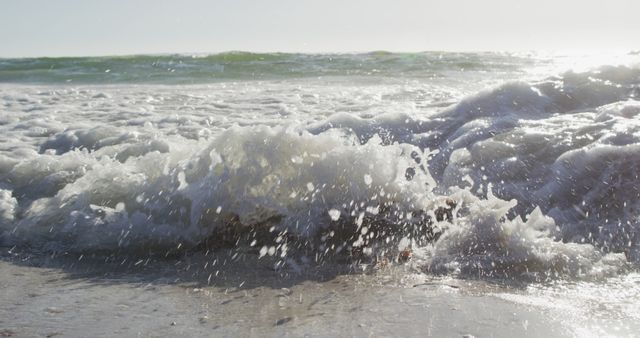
152	153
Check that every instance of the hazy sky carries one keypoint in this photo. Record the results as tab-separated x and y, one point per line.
86	27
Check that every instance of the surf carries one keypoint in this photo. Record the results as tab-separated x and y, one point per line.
542	172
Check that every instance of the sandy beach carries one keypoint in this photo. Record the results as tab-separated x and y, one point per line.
45	297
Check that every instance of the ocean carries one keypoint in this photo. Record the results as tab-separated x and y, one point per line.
345	162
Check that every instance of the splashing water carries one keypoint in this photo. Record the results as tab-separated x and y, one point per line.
329	157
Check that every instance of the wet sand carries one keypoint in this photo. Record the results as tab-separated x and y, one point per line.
47	297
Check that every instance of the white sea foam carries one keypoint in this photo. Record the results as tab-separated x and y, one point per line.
484	242
544	172
87	201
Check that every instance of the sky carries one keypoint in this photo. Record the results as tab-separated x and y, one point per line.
117	27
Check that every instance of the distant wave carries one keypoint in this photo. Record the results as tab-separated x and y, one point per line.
185	69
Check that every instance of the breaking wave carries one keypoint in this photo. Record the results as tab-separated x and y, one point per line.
544	177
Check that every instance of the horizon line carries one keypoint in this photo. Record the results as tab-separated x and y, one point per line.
354	52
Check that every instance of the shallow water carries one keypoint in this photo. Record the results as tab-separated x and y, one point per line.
308	160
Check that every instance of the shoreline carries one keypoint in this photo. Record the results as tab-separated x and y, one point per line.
45	298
